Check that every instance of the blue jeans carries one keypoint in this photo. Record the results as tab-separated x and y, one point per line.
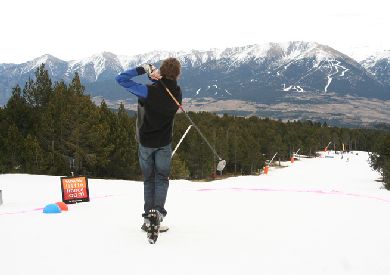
155	165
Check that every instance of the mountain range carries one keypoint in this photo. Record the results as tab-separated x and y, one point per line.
270	73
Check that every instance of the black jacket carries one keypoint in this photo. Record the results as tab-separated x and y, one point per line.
156	114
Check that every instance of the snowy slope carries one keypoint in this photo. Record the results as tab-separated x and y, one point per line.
317	216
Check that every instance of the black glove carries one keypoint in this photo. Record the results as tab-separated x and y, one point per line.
149	69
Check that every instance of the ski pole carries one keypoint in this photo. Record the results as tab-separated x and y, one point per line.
222	163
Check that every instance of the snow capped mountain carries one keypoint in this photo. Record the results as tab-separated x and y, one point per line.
264	71
377	57
238	55
93	67
379	66
360	53
54	65
258	73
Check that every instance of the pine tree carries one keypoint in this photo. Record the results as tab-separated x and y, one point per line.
3	132
179	169
18	112
13	147
380	159
105	143
37	93
32	155
123	159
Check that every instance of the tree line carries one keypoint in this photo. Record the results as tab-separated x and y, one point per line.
55	129
380	158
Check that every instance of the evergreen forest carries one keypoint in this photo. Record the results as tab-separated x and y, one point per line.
56	129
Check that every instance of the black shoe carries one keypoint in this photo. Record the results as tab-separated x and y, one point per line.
144	227
152	231
162	229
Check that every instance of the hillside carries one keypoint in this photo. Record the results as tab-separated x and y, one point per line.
316	216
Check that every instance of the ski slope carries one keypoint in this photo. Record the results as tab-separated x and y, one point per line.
316	216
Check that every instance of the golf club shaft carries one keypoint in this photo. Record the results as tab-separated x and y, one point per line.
182	138
188	117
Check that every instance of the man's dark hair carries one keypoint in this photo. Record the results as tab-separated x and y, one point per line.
170	68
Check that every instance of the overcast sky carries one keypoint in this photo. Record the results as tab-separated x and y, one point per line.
75	29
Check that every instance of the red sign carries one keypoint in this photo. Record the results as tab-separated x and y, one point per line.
74	189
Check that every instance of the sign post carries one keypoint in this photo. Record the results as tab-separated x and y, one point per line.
266	168
74	189
294	154
272	159
326	148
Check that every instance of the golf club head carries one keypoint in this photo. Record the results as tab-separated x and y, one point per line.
221	165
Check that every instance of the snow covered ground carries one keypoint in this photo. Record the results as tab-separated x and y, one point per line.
317	216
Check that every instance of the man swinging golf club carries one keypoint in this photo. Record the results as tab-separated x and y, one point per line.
156	112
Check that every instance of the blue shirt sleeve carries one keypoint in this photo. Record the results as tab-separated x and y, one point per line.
125	80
